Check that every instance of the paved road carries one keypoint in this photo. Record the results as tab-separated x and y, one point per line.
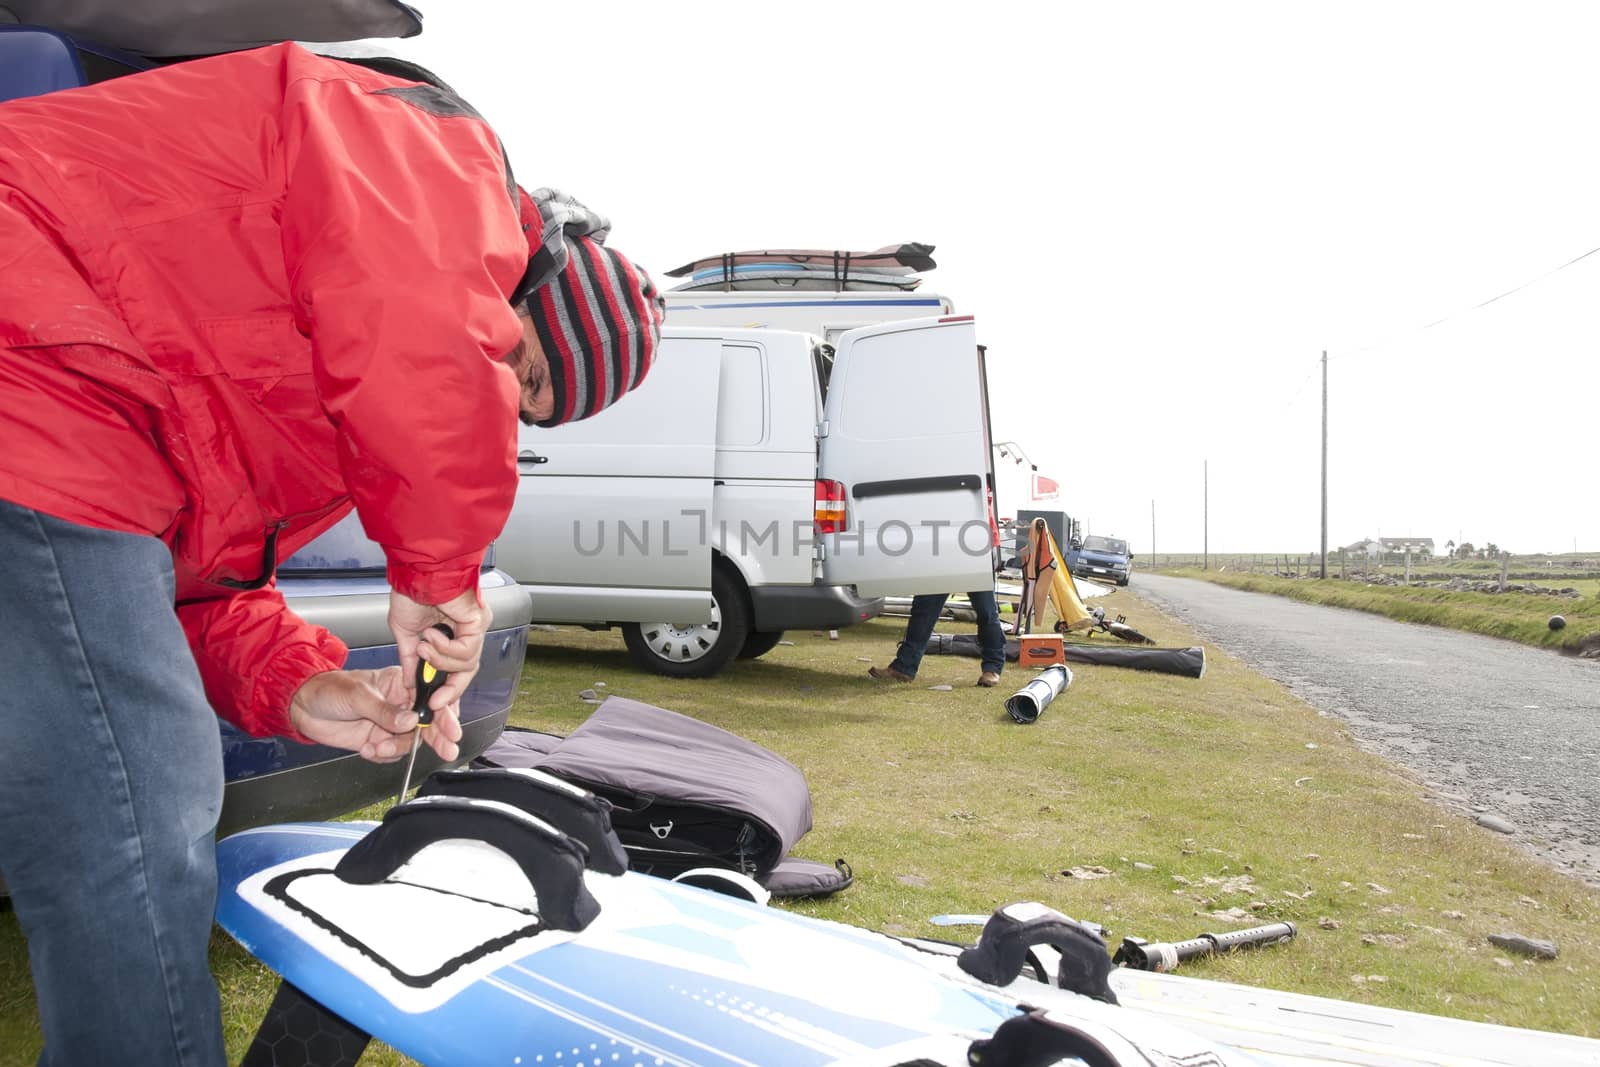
1490	724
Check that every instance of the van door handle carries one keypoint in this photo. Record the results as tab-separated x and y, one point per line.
898	486
531	457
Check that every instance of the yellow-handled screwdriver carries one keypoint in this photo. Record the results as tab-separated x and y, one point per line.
429	679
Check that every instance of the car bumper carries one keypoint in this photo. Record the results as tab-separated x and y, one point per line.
810	607
1104	574
274	779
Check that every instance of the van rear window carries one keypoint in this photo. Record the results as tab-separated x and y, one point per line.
345	550
823	355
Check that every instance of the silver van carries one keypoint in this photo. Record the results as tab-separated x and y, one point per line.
761	480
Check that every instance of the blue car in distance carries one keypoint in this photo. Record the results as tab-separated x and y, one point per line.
1106	559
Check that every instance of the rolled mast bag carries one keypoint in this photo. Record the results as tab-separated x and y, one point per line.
1029	701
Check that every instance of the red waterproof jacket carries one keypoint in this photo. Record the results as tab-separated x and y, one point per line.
240	294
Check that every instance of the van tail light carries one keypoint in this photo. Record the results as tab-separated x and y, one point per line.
830	514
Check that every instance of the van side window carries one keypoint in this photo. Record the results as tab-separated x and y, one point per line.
650	415
742	397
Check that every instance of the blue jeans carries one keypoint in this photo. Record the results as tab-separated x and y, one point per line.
925	610
109	796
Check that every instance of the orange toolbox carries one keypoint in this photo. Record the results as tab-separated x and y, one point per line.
1039	650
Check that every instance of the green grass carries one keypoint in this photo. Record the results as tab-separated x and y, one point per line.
1523	617
942	804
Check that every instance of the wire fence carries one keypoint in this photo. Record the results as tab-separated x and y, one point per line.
1390	565
1250	564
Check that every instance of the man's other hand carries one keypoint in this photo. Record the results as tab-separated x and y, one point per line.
369	711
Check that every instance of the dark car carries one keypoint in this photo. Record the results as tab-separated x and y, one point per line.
1103	558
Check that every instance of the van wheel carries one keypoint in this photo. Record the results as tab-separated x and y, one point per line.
759	644
694	650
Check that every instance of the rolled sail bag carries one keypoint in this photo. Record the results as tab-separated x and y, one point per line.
1186	662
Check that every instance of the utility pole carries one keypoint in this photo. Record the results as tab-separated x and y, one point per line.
1324	463
1153	535
1205	514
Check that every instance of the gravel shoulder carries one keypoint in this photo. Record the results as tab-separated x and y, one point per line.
1498	731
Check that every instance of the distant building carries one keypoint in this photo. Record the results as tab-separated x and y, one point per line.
1396	547
1367	546
1420	546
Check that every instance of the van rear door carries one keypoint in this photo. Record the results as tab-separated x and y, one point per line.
906	433
612	513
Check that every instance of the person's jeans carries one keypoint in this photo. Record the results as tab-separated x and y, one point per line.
925	610
109	797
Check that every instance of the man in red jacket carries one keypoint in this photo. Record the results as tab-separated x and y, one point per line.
239	296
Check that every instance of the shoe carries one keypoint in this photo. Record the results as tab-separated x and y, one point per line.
988	679
888	674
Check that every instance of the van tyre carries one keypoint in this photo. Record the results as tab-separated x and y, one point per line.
759	644
695	650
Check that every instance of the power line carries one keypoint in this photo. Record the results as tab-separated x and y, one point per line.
1465	311
1287	404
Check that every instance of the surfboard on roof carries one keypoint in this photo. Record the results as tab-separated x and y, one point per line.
912	255
759	277
808	270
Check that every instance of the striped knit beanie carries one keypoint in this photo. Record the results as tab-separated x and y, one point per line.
599	321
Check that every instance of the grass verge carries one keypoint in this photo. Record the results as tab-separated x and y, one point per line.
1520	617
1194	797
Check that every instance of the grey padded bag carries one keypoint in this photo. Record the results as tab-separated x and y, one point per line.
684	793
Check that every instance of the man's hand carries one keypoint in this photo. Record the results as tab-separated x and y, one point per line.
411	623
369	712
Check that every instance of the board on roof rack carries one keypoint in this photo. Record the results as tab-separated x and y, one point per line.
912	254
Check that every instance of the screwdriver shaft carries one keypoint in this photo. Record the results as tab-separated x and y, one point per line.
411	762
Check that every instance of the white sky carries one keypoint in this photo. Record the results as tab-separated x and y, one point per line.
1160	213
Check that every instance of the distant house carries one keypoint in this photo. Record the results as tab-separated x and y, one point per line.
1367	546
1419	546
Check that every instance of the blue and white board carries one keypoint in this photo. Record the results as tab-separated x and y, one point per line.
448	961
